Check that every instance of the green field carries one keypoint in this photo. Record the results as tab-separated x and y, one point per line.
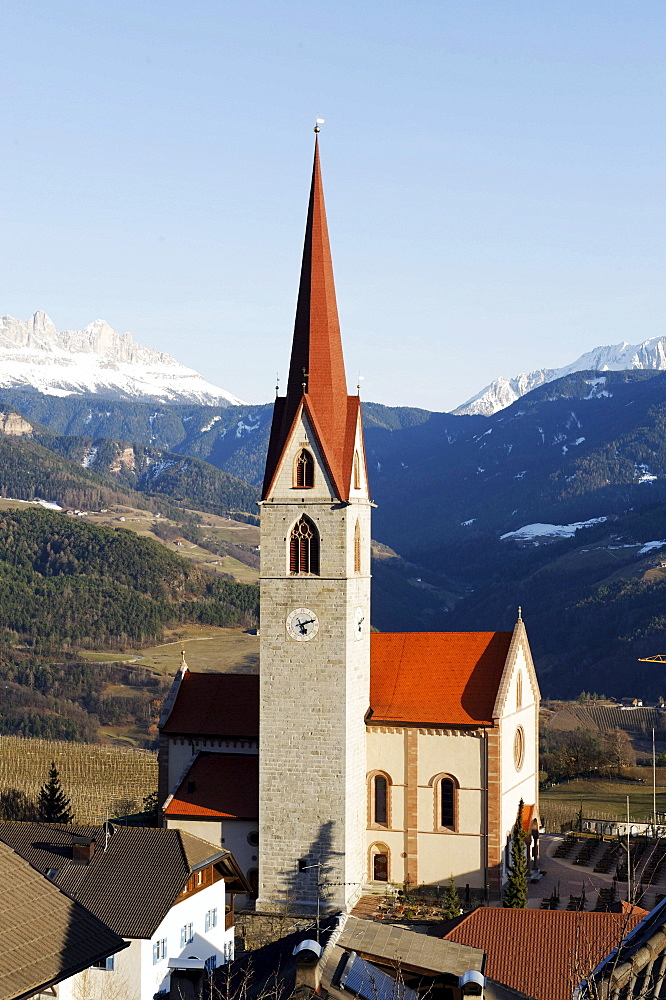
207	649
603	799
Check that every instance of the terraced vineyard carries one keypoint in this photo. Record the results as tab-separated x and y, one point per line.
100	781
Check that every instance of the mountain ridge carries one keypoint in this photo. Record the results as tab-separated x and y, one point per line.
502	392
35	355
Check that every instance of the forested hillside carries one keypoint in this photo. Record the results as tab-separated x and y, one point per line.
66	585
66	581
153	471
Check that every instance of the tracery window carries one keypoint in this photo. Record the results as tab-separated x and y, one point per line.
357	548
304	470
304	547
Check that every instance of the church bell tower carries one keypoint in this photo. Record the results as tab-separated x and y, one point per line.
315	611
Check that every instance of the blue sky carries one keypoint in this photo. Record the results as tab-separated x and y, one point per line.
494	176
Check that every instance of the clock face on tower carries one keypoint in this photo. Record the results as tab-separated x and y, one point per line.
359	623
302	624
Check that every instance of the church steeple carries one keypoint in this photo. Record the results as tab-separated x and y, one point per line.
316	353
317	383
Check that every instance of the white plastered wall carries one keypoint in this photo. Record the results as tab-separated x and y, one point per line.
522	783
440	853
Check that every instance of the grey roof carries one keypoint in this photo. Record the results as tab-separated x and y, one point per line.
132	880
273	967
46	936
403	945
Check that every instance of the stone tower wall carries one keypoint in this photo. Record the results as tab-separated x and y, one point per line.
314	697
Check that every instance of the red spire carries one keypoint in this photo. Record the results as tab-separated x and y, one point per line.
317	370
317	347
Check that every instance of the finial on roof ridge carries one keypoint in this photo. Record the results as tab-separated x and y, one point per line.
520	613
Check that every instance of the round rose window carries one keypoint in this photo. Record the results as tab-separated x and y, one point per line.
519	748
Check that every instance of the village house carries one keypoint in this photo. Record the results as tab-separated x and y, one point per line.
167	894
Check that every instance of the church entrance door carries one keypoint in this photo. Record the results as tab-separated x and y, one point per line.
380	867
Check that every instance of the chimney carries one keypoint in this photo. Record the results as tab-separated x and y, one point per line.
308	966
83	849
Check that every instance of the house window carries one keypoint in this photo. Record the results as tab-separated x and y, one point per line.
200	877
211	919
108	964
159	950
379	799
211	964
357	471
186	934
304	471
304	547
446	802
519	690
357	548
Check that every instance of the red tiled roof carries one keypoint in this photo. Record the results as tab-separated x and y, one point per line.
224	785
317	351
543	953
436	678
224	705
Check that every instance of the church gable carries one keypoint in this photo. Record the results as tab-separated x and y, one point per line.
518	687
302	464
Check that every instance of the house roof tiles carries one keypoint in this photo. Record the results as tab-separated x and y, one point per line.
133	878
543	953
46	936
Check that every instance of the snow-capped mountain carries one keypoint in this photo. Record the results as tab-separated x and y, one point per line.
99	360
619	357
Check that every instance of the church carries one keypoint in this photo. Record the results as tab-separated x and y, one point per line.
355	758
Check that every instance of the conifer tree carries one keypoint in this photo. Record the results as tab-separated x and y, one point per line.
53	804
515	890
451	904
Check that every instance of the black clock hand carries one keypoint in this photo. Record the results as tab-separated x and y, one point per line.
301	625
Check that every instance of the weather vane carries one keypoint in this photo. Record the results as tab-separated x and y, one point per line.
318	122
359	379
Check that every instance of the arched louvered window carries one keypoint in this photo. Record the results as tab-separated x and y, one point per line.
519	690
446	802
304	547
357	471
304	470
379	799
357	548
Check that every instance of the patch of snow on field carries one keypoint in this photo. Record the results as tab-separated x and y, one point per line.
649	546
209	426
533	532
